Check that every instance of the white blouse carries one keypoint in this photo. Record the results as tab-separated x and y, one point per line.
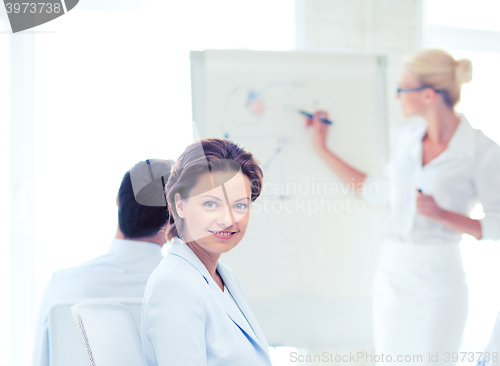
466	173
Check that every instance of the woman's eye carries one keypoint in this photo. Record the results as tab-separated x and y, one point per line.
241	206
210	204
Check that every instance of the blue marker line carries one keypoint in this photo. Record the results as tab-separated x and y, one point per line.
276	152
324	120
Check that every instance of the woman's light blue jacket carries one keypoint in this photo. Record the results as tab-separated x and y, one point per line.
188	321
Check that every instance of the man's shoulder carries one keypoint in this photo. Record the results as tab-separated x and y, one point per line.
102	270
83	269
112	263
65	273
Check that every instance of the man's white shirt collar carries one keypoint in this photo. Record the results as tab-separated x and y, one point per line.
127	245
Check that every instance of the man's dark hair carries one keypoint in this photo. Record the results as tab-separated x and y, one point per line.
136	220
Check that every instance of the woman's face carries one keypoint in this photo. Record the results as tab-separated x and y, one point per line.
413	103
216	218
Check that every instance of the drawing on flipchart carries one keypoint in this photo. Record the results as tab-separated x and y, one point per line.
251	105
259	111
274	164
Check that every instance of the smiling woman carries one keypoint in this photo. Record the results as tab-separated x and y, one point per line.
194	308
203	160
215	213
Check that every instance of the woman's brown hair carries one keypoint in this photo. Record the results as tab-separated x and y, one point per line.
200	157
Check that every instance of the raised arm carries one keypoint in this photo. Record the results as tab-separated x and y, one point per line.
347	172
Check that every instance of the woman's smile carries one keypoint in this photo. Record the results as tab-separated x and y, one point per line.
224	234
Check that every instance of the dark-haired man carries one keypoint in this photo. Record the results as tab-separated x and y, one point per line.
134	253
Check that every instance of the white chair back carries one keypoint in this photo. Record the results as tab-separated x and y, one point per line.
64	342
65	347
108	334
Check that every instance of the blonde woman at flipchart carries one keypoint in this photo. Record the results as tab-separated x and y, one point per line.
442	170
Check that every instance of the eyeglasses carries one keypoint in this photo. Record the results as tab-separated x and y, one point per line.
406	90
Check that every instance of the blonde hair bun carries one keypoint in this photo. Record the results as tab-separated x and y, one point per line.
463	71
439	69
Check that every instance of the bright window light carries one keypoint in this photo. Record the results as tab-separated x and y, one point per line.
481	95
479	100
477	14
5	265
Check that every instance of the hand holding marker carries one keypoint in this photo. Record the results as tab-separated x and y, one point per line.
321	125
324	120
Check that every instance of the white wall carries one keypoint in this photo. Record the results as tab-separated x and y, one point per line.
5	198
390	27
